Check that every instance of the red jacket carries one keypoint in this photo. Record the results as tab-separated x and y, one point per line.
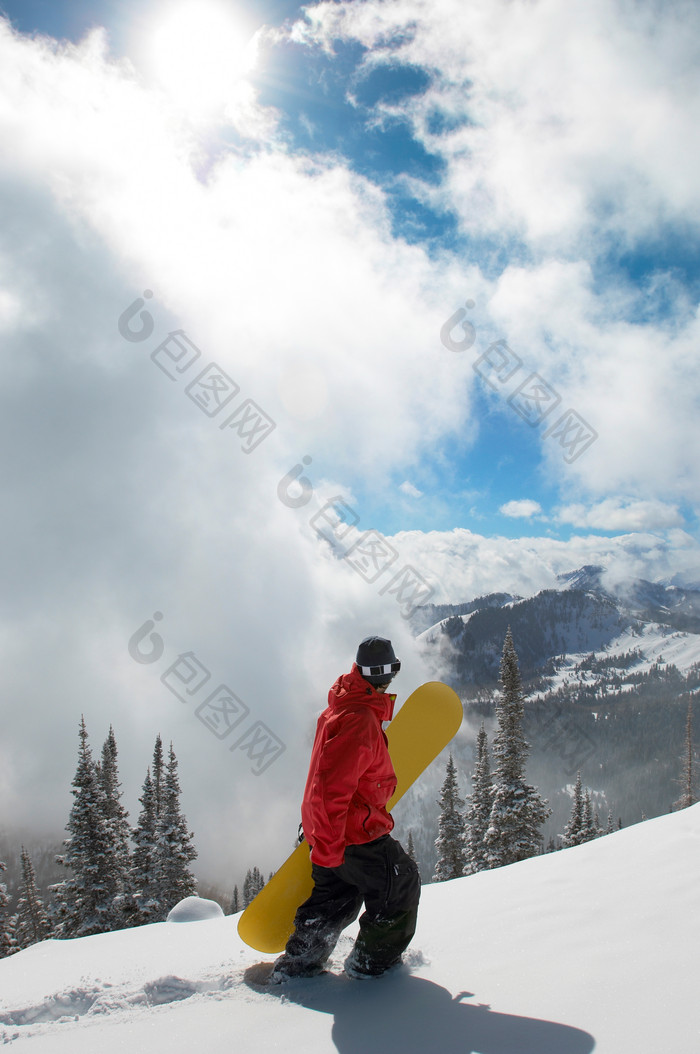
351	777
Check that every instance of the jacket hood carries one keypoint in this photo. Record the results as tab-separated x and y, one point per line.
353	688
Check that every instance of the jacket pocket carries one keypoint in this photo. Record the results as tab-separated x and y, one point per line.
376	791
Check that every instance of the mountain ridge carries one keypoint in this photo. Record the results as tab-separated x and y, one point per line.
585	615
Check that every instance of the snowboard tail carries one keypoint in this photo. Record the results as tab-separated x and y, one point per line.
421	729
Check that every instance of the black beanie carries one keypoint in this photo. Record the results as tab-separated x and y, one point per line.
376	660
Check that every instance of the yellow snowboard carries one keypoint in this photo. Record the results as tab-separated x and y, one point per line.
423	727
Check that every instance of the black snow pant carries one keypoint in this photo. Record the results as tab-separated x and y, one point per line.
380	875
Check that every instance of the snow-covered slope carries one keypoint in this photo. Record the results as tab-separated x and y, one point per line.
590	949
652	645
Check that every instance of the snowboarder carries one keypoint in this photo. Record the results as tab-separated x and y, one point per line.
345	821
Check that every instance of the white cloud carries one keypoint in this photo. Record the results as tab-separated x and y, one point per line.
461	564
408	488
614	514
524	508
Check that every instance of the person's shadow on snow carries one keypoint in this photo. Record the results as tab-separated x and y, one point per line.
402	1013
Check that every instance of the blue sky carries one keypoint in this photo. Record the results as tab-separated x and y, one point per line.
70	19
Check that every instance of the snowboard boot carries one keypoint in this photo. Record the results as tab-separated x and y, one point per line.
288	967
361	968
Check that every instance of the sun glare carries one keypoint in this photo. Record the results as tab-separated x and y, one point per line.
199	50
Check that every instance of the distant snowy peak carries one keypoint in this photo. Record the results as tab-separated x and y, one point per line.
678	606
587	577
584	615
653	598
431	615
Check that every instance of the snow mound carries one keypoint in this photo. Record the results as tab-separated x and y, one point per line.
195	909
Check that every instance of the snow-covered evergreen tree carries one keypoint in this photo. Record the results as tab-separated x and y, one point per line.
410	847
235	902
8	922
163	850
591	827
32	920
687	780
252	885
158	775
85	901
174	843
480	802
258	880
116	819
583	823
144	867
518	811
572	834
450	842
247	888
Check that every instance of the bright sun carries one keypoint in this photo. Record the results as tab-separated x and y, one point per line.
199	50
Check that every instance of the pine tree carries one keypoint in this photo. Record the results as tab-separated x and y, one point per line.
235	902
572	834
687	780
518	811
590	828
583	824
450	842
163	845
252	885
258	881
480	802
158	777
247	888
144	869
410	847
8	922
116	819
174	843
32	921
84	902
